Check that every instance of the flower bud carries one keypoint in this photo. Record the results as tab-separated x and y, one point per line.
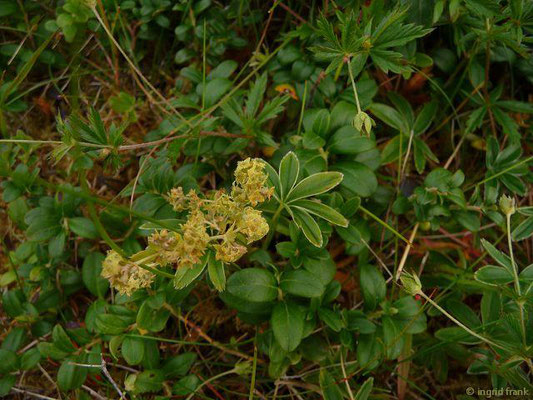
411	283
363	123
507	205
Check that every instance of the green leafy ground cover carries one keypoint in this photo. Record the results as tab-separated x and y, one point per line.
266	200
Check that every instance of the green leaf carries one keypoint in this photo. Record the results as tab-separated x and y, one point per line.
273	178
289	168
469	219
321	123
253	284
255	95
524	230
61	340
110	324
347	140
359	180
425	117
315	184
148	381
307	224
70	376
301	282
178	365
287	323
323	211
9	361
331	319
90	272
373	286
185	276
153	319
390	116
498	256
214	90
83	227
217	274
493	275
7	381
365	389
527	274
133	350
8	7
329	386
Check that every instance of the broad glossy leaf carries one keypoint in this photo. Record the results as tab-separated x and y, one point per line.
300	282
287	323
132	350
253	284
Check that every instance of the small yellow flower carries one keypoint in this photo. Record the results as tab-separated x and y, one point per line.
229	250
123	275
177	199
165	245
252	224
195	239
250	182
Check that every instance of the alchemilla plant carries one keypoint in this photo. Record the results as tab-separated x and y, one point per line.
266	200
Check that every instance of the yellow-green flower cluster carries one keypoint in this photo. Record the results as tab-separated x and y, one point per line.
124	275
222	222
250	182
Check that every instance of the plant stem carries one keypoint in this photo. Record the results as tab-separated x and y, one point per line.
213	378
460	324
384	224
353	86
516	280
105	236
273	226
254	370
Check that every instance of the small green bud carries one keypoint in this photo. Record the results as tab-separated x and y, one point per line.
363	123
243	368
411	283
507	205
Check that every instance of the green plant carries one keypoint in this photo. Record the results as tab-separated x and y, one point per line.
315	200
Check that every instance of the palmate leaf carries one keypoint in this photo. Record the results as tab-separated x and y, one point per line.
255	95
292	195
377	42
